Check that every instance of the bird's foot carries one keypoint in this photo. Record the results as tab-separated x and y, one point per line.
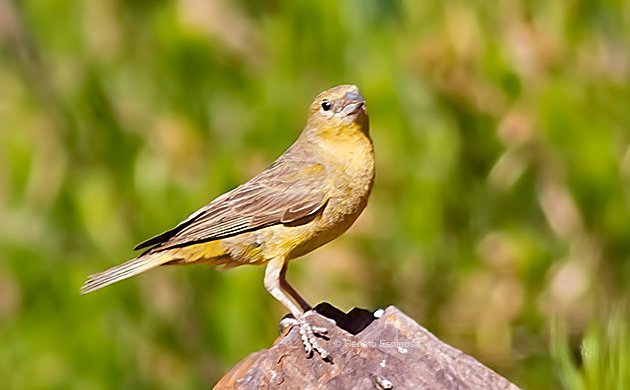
308	333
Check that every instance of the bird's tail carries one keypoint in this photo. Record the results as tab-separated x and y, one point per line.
124	271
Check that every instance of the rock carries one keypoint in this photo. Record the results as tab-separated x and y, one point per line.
389	352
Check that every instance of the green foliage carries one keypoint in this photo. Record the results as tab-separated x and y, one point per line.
500	216
604	355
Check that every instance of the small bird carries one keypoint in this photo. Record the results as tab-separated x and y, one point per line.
309	196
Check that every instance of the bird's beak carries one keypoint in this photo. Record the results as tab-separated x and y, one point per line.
352	103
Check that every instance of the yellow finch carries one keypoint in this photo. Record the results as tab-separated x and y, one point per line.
310	195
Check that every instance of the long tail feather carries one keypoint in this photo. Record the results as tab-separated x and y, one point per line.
124	271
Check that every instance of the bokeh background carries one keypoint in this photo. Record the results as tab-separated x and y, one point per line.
500	219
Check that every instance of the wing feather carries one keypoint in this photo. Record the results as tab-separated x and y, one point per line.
282	194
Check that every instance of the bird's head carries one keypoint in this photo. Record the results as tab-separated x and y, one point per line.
339	109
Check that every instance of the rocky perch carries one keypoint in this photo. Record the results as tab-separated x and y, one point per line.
380	350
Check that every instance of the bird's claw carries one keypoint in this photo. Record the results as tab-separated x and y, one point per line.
308	333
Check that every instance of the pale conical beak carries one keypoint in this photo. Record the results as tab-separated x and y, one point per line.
353	102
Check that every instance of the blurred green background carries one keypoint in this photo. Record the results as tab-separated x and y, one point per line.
500	219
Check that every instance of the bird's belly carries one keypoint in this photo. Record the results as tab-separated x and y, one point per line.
335	220
321	237
260	246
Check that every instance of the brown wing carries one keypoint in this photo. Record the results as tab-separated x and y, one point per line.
284	193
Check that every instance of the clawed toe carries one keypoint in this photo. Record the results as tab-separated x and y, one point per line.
308	333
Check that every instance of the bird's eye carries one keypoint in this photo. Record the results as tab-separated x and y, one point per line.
326	106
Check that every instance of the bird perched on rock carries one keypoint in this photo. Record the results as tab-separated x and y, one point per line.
309	196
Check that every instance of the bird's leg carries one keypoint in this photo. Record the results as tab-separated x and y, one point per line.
284	284
274	277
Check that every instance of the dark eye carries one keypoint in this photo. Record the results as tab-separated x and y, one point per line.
326	106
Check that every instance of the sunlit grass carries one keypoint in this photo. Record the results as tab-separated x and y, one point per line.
602	357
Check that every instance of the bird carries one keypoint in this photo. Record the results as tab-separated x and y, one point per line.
307	197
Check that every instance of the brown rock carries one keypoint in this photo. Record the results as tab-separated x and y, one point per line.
390	352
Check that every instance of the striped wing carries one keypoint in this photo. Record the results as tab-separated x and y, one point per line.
285	193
